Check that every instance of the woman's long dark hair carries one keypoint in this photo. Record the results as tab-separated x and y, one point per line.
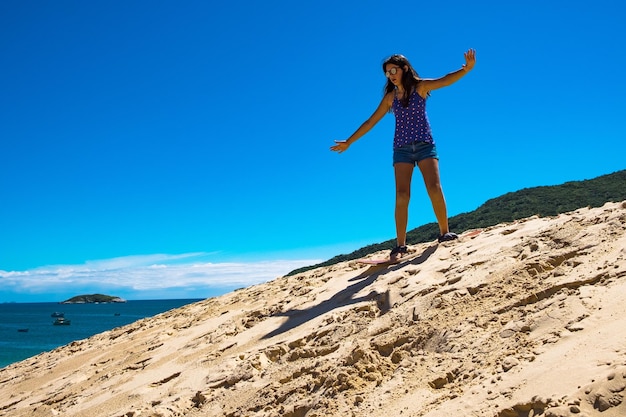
410	78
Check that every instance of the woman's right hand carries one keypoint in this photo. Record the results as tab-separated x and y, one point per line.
340	146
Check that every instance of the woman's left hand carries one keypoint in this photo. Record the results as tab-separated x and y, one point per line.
470	60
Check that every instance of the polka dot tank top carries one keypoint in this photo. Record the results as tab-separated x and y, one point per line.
411	122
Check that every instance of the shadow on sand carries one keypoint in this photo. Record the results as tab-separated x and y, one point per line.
346	297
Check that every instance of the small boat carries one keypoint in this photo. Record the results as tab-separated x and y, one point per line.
57	314
22	330
117	314
61	321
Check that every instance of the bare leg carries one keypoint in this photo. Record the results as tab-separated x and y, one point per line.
430	171
404	173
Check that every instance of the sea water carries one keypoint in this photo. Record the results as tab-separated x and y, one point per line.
26	329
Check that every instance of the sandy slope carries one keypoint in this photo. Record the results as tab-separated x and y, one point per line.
522	319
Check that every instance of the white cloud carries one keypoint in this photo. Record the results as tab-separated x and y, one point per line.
153	274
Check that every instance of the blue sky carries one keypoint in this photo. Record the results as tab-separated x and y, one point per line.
192	137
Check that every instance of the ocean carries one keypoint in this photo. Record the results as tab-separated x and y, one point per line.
26	329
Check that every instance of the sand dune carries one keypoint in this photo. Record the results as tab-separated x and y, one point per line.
517	320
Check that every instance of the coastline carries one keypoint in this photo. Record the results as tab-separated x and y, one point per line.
87	319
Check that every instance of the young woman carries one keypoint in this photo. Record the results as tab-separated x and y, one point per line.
405	95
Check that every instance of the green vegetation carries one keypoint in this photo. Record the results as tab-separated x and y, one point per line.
93	298
540	201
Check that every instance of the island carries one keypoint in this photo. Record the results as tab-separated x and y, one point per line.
93	298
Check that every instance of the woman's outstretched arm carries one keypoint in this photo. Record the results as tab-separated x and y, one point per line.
383	108
427	85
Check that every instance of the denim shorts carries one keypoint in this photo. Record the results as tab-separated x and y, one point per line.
414	153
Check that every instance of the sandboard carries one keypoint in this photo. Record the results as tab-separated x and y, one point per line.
380	261
472	233
386	261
